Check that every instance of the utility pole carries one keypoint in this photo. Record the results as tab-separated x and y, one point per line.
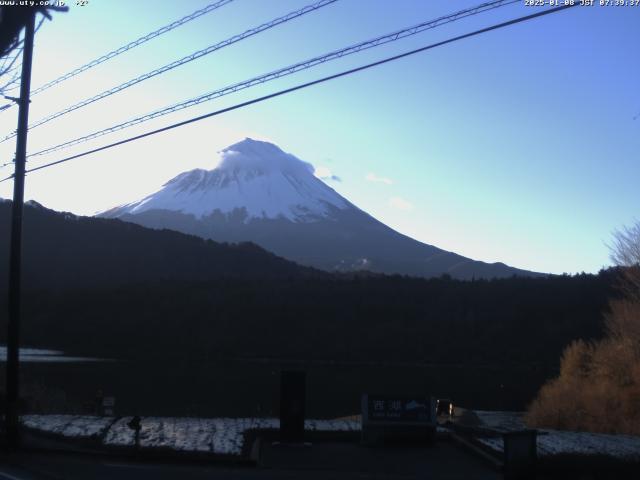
13	327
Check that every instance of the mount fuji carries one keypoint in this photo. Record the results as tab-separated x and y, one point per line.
261	194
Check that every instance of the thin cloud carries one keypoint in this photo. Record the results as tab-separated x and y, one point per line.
324	173
372	177
401	204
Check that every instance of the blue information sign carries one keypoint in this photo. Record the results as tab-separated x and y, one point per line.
392	409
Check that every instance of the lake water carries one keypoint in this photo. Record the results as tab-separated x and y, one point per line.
38	355
248	388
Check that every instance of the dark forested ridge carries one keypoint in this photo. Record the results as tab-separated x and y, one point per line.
199	300
386	319
62	250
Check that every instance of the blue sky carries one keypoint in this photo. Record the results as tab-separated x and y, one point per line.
518	146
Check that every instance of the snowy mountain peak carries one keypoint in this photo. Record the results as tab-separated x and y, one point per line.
251	175
260	157
259	193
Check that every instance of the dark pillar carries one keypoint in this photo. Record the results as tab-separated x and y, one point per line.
292	406
13	327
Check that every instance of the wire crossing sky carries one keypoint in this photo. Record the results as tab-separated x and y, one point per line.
300	87
518	145
135	43
189	58
288	70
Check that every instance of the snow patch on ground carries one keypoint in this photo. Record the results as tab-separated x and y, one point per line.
501	421
223	436
555	442
332	425
77	426
229	436
184	434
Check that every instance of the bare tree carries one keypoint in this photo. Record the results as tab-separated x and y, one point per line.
599	383
625	252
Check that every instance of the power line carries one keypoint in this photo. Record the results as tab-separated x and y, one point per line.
135	43
306	64
15	76
14	68
12	47
189	58
302	86
7	68
9	49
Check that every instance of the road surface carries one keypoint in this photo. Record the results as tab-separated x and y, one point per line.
337	461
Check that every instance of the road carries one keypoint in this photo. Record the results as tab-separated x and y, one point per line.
442	462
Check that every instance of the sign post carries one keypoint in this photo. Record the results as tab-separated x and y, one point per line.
135	424
108	406
398	418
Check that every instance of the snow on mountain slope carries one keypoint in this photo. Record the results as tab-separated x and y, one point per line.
259	193
252	175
